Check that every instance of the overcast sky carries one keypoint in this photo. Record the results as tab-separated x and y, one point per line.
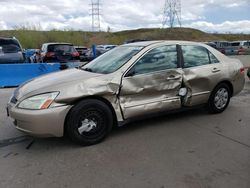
208	15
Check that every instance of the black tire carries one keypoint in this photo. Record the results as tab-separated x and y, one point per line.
219	93
89	122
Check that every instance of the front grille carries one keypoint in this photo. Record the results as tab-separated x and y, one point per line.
13	100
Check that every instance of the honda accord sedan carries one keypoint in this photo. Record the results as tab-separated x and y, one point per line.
128	82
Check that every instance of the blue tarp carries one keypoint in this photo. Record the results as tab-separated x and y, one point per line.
14	74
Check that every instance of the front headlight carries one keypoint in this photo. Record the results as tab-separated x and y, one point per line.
38	102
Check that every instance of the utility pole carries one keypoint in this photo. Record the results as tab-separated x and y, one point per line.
171	13
95	14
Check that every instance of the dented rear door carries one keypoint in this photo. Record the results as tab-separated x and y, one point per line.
152	84
202	71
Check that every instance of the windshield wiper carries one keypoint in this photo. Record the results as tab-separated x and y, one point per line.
87	69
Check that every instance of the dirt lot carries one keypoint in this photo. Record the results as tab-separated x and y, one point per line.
191	149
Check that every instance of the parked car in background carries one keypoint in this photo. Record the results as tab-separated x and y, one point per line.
131	81
134	40
212	44
106	47
244	48
90	55
10	51
59	52
233	48
221	46
82	50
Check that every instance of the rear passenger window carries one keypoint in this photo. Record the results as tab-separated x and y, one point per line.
246	44
195	56
213	59
235	44
9	46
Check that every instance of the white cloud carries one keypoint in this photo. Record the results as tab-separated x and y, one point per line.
3	25
118	14
225	27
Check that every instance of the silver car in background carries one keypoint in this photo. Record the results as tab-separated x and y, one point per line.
244	48
10	51
130	81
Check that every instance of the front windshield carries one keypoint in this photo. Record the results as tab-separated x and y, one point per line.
112	60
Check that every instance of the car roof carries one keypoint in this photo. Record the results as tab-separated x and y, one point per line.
8	38
148	43
142	43
80	46
51	43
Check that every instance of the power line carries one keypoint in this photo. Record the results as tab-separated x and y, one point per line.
172	13
95	14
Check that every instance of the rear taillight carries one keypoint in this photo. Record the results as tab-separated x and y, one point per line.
50	54
75	54
241	49
222	51
242	70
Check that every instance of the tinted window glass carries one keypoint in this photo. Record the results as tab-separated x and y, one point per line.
61	48
194	56
9	46
157	59
246	44
213	59
235	43
222	44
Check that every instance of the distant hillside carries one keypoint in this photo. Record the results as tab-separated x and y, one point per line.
34	39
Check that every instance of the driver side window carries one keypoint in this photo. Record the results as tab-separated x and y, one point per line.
161	58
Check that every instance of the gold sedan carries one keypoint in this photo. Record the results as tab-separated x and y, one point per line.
129	81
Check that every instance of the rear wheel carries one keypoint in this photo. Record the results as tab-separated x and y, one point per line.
219	99
89	122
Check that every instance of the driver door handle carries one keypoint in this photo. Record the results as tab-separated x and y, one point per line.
172	77
215	70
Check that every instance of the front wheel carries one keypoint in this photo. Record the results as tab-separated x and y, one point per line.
219	99
89	122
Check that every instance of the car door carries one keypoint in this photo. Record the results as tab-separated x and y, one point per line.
202	71
152	84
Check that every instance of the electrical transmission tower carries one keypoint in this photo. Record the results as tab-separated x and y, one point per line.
95	14
172	13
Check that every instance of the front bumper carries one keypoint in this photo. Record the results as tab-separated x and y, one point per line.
40	123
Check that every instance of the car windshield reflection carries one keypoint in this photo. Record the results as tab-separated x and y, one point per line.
112	60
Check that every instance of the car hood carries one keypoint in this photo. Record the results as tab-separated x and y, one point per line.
53	82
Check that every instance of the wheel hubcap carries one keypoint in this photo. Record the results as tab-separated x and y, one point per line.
91	124
87	125
221	98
